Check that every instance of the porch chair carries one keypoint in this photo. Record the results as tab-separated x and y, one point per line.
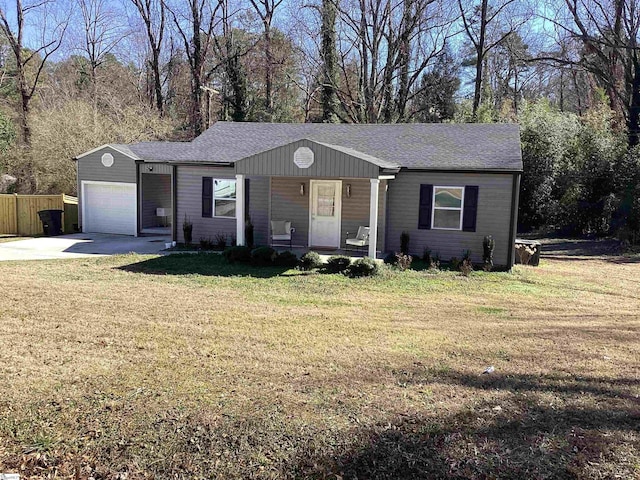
281	231
361	240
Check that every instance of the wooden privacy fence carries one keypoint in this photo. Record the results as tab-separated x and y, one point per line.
19	213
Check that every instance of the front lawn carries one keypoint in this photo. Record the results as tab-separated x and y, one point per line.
186	367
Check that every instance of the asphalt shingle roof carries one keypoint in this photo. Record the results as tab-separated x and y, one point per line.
410	145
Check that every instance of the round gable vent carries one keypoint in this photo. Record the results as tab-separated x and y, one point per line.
303	157
107	159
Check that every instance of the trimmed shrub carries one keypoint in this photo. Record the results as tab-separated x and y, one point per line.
239	253
466	267
263	256
435	261
404	243
309	261
337	264
403	261
391	259
426	256
286	259
363	267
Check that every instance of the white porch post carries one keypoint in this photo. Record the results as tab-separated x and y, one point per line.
373	217
240	209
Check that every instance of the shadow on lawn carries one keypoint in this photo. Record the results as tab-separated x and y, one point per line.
591	432
209	264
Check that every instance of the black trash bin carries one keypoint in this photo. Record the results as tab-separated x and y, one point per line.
51	222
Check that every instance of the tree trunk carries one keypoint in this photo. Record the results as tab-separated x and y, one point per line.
329	97
477	93
268	77
634	108
403	60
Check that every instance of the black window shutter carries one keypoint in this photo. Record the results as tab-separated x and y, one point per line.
207	197
470	209
424	216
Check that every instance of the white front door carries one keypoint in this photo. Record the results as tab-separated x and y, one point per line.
325	210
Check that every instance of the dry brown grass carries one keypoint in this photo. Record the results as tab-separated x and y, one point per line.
129	365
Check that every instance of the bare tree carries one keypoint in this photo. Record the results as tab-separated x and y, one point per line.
391	43
196	29
50	40
608	32
265	10
487	26
101	33
153	13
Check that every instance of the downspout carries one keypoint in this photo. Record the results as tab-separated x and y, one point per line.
513	229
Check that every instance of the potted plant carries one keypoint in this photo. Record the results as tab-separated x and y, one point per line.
187	230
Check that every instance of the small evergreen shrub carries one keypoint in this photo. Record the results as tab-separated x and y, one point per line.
239	254
488	246
363	267
286	259
404	243
187	230
391	259
263	256
426	256
309	261
337	264
454	263
248	233
403	262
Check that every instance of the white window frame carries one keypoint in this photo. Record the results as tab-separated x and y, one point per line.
213	206
434	208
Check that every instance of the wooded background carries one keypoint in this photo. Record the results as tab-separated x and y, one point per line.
75	74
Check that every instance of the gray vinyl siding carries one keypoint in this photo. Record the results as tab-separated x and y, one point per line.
189	189
155	168
156	193
123	169
90	167
493	218
259	209
288	204
327	163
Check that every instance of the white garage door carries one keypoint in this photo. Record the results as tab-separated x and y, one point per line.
109	208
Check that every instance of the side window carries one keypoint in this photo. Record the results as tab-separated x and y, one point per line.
448	203
224	198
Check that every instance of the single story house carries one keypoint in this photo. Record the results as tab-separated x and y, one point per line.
446	185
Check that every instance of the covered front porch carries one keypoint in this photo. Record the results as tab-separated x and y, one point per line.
324	193
321	214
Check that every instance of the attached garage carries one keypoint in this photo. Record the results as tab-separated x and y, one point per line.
109	207
107	189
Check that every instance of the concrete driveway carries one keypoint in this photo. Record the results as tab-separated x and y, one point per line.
80	245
